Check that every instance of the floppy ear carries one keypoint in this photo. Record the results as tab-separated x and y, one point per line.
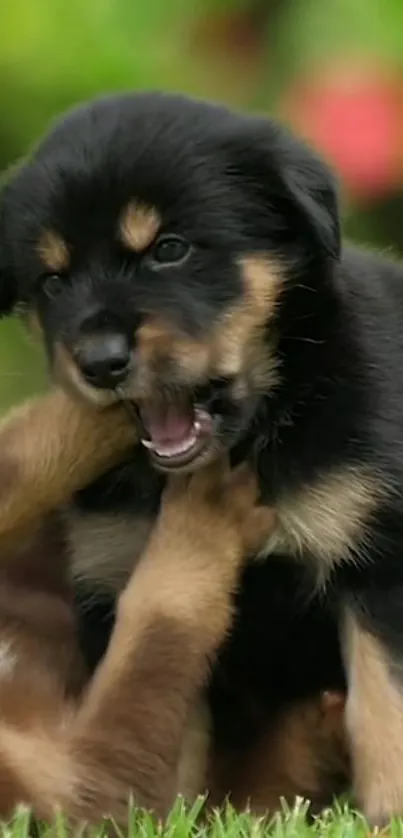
296	191
313	194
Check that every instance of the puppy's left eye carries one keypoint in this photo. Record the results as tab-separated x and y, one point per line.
169	250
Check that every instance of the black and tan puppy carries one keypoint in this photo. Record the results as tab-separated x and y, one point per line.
187	260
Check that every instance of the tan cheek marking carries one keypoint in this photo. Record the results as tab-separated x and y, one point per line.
154	337
139	226
264	282
157	340
53	251
236	344
328	518
192	357
374	718
239	331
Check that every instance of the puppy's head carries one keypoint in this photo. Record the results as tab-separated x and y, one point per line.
151	239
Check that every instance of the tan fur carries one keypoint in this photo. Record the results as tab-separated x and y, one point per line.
327	519
192	777
51	447
197	525
374	717
139	226
302	753
157	340
306	755
238	345
53	252
141	713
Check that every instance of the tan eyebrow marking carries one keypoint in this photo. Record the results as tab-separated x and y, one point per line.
139	226
53	251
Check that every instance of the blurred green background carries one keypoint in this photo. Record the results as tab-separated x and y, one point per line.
332	68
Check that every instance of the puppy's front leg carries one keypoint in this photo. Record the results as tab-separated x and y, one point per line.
174	613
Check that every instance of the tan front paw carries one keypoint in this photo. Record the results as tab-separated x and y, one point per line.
383	799
220	506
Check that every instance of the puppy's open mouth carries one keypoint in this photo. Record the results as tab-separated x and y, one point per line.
175	433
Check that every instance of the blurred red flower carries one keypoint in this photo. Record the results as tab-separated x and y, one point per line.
354	116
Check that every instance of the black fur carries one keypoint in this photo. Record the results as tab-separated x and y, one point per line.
237	186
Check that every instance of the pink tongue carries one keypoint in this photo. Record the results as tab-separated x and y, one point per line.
167	424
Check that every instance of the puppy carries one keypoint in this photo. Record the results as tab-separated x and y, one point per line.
186	260
131	731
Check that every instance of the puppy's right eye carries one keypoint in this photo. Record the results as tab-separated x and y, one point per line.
51	285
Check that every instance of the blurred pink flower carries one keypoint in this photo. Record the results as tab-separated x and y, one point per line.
354	116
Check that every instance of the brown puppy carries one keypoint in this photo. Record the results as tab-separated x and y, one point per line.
128	732
302	753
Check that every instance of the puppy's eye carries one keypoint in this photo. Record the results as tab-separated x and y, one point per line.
170	249
51	285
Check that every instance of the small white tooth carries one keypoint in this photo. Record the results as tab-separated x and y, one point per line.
148	443
197	426
180	448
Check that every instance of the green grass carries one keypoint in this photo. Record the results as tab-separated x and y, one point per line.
339	822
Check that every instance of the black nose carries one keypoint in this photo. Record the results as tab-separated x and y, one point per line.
104	360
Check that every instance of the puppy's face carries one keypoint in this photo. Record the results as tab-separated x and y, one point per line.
152	239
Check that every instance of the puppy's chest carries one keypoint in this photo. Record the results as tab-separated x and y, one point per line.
105	547
326	521
109	523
